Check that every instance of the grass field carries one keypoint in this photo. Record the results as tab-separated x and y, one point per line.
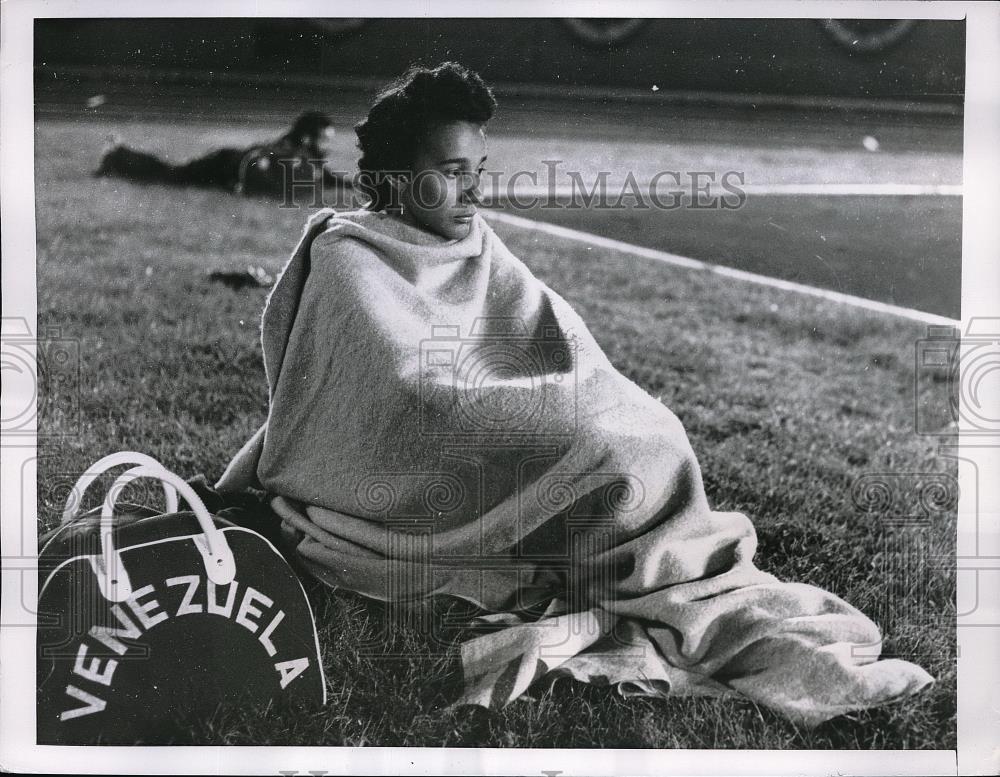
906	251
788	401
901	250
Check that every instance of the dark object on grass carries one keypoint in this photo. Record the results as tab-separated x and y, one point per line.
299	158
250	509
241	279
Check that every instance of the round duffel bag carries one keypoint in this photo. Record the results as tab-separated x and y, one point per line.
148	621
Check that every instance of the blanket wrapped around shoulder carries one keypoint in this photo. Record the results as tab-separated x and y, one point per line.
442	422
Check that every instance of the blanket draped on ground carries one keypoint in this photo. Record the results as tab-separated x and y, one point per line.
442	422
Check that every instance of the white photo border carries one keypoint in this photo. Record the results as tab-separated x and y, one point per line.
979	647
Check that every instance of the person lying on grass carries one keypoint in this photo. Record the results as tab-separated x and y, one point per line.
282	168
442	423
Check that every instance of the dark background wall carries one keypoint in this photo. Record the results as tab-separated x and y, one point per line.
776	56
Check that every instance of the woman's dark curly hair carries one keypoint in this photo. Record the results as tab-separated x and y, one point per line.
403	113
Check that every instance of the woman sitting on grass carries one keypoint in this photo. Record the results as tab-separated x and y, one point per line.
441	422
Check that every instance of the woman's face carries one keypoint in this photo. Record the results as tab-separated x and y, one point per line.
443	191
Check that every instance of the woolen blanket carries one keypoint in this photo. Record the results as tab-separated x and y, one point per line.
442	422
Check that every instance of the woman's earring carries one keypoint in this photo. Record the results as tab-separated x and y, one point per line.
398	187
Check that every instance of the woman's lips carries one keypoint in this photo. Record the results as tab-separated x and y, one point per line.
465	218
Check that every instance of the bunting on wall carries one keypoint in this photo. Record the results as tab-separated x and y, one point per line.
867	35
604	32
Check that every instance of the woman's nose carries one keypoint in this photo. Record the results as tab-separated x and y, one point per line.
470	188
471	197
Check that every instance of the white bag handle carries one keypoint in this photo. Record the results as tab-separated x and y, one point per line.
98	468
112	577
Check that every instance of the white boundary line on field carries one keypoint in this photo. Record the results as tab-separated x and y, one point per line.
728	272
570	192
856	189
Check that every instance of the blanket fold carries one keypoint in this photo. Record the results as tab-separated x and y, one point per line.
442	422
